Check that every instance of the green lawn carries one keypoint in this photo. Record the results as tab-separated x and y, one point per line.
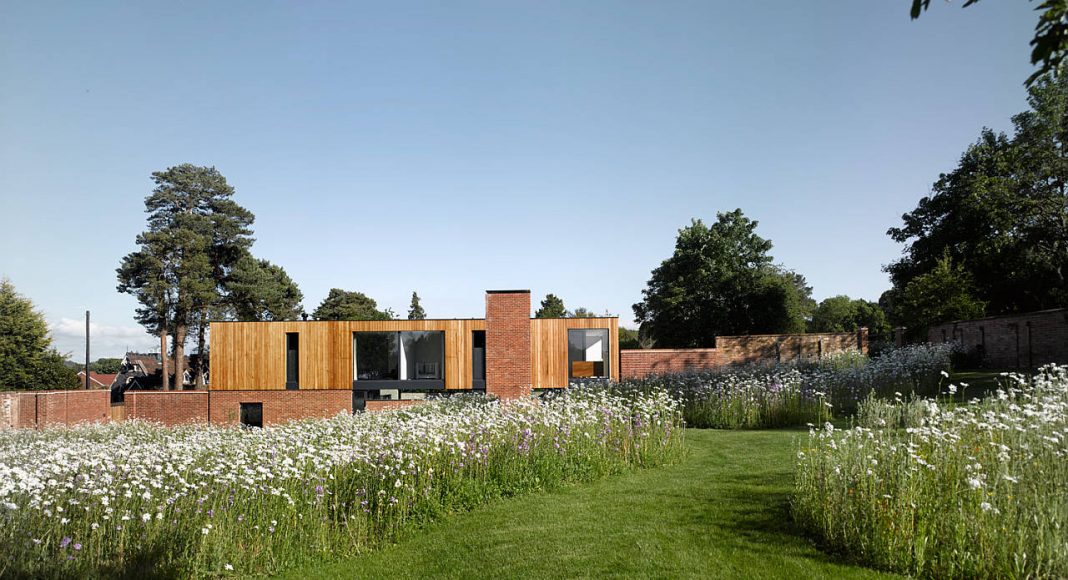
720	513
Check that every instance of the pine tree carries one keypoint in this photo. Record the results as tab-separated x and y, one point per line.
415	311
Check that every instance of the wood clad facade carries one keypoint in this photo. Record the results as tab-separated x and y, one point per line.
548	348
252	355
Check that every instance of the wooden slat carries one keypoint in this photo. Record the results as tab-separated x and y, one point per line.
251	355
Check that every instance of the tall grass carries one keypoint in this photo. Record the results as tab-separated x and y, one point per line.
137	499
796	392
939	489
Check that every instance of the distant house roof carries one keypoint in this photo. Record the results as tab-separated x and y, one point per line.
103	381
149	363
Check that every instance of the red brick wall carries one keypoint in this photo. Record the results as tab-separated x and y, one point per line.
508	365
1017	341
167	407
739	350
279	406
640	363
374	406
45	408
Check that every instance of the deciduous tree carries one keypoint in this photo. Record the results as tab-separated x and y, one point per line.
720	280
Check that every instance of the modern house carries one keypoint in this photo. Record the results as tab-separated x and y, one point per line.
345	364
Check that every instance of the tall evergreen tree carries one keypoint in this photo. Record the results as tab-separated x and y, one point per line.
27	359
259	290
196	233
342	305
551	307
415	311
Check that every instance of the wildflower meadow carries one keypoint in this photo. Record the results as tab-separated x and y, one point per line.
794	393
133	498
940	488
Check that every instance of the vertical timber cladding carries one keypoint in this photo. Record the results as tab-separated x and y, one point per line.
248	356
548	348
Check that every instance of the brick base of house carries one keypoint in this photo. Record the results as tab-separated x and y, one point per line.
279	406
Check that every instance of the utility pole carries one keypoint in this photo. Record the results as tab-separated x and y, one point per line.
87	350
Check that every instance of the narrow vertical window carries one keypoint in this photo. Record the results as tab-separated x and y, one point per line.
292	361
251	415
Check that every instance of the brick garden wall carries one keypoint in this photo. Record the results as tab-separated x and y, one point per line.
1016	341
48	408
639	363
508	360
279	406
168	407
740	350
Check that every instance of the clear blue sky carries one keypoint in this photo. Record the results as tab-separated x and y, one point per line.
454	147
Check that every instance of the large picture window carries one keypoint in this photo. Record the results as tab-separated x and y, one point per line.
400	356
588	353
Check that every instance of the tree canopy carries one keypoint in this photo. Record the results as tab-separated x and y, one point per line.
720	280
551	307
1050	44
258	290
415	310
844	314
342	305
194	264
106	366
998	222
28	360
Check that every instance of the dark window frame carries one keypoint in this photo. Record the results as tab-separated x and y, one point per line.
292	362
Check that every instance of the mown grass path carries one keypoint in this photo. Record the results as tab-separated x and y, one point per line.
720	513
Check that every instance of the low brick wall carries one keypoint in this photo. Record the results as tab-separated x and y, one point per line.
375	406
279	406
640	363
167	407
48	408
1016	341
732	350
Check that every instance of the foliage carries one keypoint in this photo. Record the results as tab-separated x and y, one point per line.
965	491
196	234
1050	44
628	339
104	500
720	513
941	295
257	290
342	305
720	280
106	366
551	307
843	314
794	393
1001	217
581	312
415	311
27	359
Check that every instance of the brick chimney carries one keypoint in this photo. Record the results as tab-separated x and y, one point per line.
508	366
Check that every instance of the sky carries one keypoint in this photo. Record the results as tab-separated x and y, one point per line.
454	147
